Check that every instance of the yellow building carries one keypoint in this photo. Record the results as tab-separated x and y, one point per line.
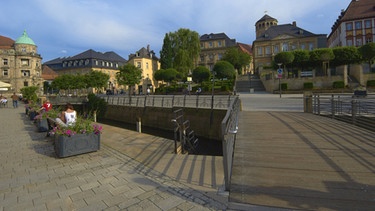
20	63
146	60
90	60
273	38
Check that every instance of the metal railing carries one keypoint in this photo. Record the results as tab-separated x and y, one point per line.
357	110
229	127
170	101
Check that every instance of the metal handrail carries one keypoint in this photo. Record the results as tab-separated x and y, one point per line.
220	102
229	127
357	110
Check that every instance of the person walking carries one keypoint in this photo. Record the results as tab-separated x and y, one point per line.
15	100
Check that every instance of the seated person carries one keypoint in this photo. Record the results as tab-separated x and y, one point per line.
3	100
47	105
67	117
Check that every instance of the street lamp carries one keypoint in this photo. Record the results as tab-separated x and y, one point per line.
212	96
279	75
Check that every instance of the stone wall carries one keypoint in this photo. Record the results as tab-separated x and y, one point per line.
160	118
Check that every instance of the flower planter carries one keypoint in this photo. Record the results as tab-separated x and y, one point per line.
66	146
42	125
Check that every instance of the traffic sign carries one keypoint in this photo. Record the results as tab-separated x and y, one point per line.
280	71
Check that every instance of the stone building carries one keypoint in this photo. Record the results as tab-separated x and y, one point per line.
146	60
87	61
272	38
20	63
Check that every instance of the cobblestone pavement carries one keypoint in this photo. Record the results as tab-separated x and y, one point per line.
32	178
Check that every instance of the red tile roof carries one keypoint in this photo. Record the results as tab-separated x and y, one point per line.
48	73
359	9
6	42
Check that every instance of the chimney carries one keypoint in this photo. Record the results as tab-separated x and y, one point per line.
294	23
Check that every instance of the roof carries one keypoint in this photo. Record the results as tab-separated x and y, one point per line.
213	36
284	29
6	42
25	39
144	53
48	73
91	54
359	9
266	17
246	48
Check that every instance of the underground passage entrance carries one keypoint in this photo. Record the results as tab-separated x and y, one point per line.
205	146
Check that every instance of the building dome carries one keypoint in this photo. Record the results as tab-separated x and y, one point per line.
25	39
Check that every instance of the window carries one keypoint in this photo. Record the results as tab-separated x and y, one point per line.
24	62
285	47
311	46
276	49
349	42
268	50
139	64
5	72
303	47
367	24
368	39
358	25
202	58
260	51
219	43
25	72
349	26
23	49
210	44
5	61
358	41
202	45
25	83
211	57
220	56
146	65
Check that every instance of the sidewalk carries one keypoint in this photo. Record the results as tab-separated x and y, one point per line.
32	178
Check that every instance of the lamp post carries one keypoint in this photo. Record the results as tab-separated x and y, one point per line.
212	97
279	75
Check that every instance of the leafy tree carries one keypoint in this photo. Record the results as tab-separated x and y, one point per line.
96	79
167	75
201	74
29	92
224	69
129	75
166	53
65	81
301	58
368	52
237	58
285	58
321	55
185	46
345	56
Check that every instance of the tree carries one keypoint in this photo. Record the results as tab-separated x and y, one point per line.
301	58
368	53
29	93
65	81
201	74
224	69
285	58
321	56
345	55
166	53
237	58
167	75
129	75
185	47
96	79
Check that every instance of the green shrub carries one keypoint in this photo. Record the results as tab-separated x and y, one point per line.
284	86
308	85
371	83
338	84
224	88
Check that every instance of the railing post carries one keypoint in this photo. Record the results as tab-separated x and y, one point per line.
197	101
354	111
144	104
333	106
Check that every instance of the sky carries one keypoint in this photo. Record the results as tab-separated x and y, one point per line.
63	28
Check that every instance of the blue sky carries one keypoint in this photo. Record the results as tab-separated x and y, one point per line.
63	28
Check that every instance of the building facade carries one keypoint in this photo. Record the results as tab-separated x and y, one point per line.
213	47
146	60
273	38
355	26
90	60
20	63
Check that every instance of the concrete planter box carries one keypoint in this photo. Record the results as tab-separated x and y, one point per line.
42	125
77	144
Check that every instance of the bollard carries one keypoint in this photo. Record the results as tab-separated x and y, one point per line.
139	125
94	116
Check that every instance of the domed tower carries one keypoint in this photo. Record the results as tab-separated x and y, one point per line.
263	24
28	64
